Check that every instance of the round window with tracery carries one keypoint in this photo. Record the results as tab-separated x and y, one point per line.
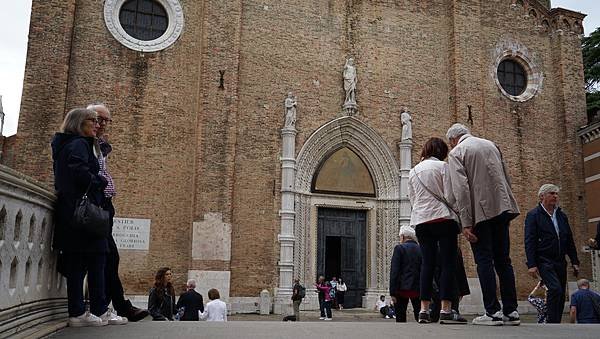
512	77
144	19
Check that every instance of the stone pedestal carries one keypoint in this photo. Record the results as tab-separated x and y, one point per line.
405	148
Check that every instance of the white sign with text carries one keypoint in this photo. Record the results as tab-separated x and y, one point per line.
132	234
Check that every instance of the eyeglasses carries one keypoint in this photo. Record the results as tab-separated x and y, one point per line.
93	120
102	120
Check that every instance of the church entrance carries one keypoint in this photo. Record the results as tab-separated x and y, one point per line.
341	250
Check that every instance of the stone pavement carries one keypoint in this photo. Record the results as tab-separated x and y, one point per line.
346	324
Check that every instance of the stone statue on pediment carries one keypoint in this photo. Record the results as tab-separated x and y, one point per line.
406	121
290	110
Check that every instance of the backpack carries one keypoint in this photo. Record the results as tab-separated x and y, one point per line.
332	293
301	291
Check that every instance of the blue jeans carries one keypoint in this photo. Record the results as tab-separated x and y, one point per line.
492	256
327	307
554	276
77	266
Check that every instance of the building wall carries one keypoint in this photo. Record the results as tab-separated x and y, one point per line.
590	136
186	148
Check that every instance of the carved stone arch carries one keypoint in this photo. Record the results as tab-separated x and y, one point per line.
383	210
360	138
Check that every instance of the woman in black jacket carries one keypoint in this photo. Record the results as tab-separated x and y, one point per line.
161	301
75	165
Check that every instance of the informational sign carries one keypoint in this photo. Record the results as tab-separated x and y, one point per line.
132	234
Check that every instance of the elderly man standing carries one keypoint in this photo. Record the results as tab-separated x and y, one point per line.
548	238
191	301
114	288
484	199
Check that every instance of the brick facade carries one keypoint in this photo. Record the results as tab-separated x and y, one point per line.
185	147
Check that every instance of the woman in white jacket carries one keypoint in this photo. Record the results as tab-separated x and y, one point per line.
215	310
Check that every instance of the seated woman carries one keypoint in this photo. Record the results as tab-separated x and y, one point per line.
216	310
161	301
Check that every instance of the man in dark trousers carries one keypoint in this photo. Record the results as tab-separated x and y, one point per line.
114	288
192	301
548	238
405	271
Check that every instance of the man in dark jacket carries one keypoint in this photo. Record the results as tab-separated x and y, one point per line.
404	274
548	238
114	288
191	301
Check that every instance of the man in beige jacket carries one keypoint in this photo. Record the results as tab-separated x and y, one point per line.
485	202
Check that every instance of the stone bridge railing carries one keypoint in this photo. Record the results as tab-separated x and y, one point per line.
32	292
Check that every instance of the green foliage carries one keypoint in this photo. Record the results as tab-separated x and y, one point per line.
591	64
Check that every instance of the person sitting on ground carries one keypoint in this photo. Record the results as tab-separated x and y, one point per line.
161	301
382	306
537	298
191	302
216	310
585	304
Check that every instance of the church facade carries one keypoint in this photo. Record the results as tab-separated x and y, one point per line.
267	140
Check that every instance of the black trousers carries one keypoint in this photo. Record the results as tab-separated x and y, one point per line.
401	306
492	256
77	265
554	276
438	241
114	287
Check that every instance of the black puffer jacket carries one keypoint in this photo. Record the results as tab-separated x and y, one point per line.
405	269
75	167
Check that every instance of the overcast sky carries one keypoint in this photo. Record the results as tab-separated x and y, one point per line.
14	26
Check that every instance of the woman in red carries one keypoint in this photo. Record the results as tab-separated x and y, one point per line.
325	287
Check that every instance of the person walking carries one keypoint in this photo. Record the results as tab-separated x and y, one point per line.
75	156
548	239
341	293
485	201
191	302
405	270
114	288
436	229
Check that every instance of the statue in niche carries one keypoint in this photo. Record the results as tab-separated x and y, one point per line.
406	121
350	86
290	110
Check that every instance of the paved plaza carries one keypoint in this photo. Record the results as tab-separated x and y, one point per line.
346	324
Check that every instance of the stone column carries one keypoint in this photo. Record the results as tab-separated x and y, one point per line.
286	236
405	147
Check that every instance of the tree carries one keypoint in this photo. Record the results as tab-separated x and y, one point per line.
591	64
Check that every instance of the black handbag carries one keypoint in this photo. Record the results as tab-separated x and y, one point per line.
90	218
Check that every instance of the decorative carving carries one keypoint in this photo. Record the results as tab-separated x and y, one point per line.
406	121
174	10
290	104
350	80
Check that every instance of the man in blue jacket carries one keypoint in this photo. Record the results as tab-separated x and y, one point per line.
548	238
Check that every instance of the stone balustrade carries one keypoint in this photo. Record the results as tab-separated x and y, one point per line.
32	292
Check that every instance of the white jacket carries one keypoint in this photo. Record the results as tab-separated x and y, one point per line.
216	310
425	207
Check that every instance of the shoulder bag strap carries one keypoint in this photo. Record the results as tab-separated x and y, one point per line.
437	197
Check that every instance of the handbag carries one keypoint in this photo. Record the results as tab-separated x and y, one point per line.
90	218
443	201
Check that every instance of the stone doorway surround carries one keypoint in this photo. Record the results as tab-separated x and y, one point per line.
384	212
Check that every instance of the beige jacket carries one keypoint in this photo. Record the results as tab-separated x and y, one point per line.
480	181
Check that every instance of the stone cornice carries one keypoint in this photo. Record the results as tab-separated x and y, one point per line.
557	20
16	179
590	132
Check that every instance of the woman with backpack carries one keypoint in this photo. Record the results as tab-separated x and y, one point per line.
298	293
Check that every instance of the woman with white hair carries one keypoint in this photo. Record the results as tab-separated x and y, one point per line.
404	274
436	229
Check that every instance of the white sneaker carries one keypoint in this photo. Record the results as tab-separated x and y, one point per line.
84	320
328	319
387	316
110	318
321	318
486	320
511	319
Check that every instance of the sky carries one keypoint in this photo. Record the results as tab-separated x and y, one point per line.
14	27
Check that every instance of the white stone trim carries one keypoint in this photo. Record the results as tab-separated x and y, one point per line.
591	157
592	178
594	219
512	50
174	28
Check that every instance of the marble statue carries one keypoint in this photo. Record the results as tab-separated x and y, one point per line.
350	86
290	110
406	121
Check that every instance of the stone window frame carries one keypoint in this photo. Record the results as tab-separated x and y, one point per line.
112	8
534	75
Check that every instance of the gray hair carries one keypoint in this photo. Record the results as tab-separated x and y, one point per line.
456	130
408	232
74	120
548	188
583	282
96	105
191	283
